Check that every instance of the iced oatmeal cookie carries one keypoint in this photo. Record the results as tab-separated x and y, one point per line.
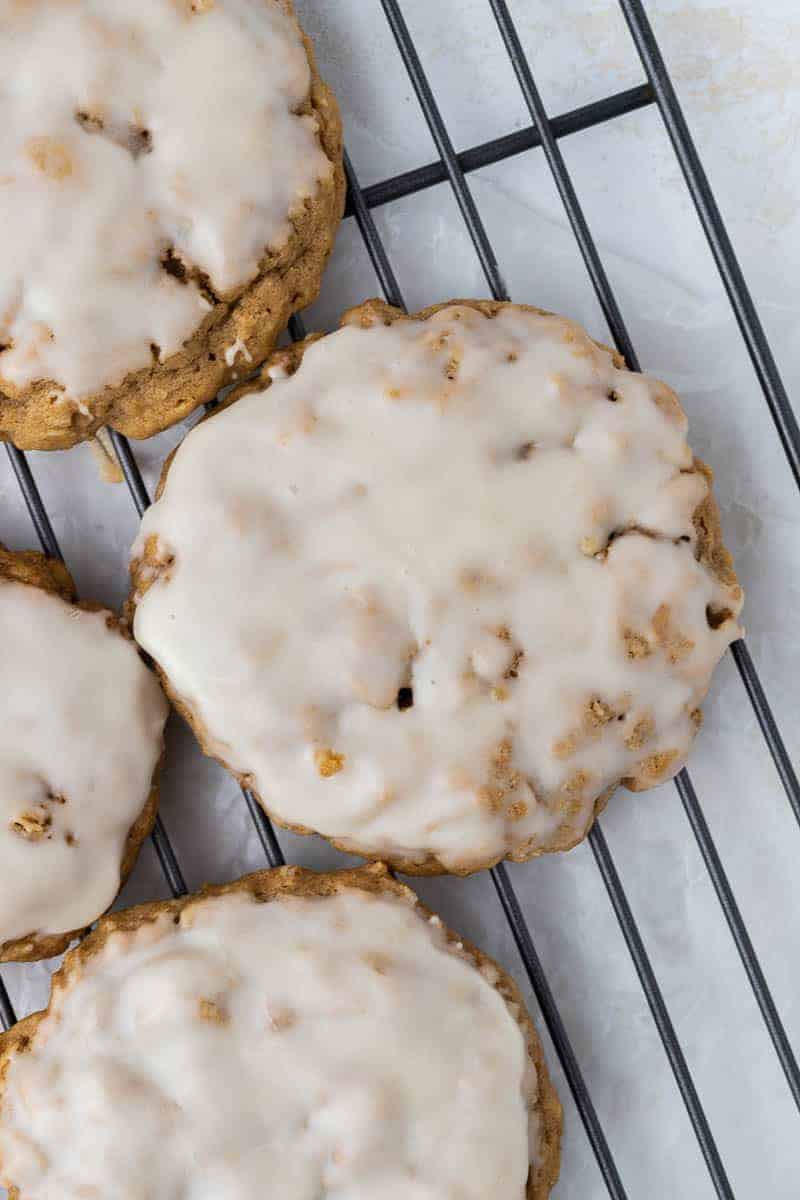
81	736
170	187
435	585
324	1032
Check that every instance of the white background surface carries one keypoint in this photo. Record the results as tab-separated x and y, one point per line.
736	69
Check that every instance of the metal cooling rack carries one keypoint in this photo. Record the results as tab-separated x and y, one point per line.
544	132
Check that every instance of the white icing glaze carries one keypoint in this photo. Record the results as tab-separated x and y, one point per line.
335	1046
235	348
370	523
80	736
88	213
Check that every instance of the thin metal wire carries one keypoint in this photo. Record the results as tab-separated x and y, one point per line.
769	726
130	469
265	830
500	876
658	1008
699	826
740	935
444	145
7	1015
558	1033
167	859
373	242
772	736
744	309
498	149
563	182
33	501
297	329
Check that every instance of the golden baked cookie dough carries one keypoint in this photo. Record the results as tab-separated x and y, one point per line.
435	585
172	186
326	1031
81	738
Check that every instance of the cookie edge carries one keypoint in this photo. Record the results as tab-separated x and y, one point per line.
706	519
265	886
33	569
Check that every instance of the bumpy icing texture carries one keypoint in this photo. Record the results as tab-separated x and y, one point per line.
339	1045
149	151
437	592
80	738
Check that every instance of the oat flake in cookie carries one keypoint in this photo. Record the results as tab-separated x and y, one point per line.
291	1035
170	186
438	584
81	735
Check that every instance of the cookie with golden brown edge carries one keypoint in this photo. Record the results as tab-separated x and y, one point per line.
360	1046
170	198
435	585
81	738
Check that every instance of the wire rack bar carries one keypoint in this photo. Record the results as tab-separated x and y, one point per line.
699	826
552	1017
740	935
720	243
7	1015
266	833
508	146
131	472
33	502
563	182
658	1008
769	728
297	329
444	145
167	859
371	238
500	877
